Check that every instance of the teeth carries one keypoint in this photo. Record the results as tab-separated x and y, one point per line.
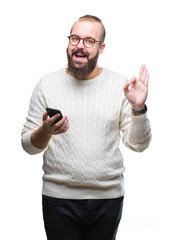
80	55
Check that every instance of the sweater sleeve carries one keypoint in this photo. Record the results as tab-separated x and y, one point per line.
37	107
136	129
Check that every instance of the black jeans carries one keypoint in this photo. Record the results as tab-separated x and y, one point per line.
92	219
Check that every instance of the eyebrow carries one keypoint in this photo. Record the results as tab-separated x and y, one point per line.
81	37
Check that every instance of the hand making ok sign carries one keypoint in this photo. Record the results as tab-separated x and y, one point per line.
136	90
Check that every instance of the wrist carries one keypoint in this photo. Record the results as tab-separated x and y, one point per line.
45	133
139	112
40	138
138	108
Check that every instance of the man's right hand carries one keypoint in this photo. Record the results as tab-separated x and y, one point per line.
51	128
41	137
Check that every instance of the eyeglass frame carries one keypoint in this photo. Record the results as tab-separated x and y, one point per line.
83	40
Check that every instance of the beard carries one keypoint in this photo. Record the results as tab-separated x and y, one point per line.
83	71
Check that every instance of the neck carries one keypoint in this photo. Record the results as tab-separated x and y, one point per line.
94	73
90	76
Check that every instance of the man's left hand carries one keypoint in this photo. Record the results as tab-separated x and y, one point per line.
136	91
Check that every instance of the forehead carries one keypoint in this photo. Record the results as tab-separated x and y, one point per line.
87	29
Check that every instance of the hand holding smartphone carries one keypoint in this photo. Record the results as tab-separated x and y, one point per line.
52	111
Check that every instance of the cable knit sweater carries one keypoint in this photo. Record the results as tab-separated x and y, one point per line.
85	162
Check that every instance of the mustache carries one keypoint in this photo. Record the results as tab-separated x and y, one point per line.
80	51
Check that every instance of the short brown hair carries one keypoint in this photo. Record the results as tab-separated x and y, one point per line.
96	19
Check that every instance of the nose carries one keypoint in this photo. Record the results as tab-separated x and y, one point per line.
81	43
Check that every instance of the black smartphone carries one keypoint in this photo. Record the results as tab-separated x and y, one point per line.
51	112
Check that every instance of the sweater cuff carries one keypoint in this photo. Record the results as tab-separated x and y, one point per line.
28	146
139	120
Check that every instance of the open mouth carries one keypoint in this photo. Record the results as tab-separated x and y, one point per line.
79	54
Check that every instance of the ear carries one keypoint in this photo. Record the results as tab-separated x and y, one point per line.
101	48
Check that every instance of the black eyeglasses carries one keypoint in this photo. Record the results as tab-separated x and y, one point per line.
88	41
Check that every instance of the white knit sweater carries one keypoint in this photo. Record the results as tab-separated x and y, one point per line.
85	162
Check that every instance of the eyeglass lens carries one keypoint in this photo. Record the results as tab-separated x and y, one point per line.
88	41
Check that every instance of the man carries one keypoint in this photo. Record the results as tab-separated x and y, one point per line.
83	187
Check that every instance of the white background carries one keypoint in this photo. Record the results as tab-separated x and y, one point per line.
33	43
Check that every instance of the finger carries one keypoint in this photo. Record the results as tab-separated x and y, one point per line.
129	83
64	123
62	127
141	72
144	75
66	127
45	116
147	80
54	118
60	123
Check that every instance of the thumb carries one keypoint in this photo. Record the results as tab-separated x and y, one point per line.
130	82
